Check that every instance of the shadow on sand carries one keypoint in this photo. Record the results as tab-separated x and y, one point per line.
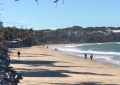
32	55
36	55
52	73
37	72
85	83
34	63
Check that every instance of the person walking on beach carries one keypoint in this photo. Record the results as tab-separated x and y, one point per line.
85	56
18	54
47	47
91	56
55	49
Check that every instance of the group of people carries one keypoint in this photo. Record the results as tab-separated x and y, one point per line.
44	46
91	56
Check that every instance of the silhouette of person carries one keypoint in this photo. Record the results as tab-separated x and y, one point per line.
91	56
55	49
18	54
85	56
47	47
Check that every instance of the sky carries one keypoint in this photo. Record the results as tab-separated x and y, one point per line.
45	14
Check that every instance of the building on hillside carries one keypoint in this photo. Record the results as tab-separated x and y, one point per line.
1	24
116	32
78	33
1	30
70	32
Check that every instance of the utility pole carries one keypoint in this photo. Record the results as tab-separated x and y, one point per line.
22	32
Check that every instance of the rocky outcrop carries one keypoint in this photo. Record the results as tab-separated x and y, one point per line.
8	75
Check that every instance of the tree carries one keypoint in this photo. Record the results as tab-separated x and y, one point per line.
53	2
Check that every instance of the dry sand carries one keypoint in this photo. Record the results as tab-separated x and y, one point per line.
42	66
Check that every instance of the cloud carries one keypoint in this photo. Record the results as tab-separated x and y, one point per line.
23	21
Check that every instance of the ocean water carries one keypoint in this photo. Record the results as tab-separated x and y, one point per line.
104	52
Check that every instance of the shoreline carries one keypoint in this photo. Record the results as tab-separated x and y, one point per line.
42	66
111	64
82	56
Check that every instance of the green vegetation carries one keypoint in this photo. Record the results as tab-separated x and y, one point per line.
75	34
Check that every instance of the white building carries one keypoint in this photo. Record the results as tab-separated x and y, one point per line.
1	24
1	30
116	31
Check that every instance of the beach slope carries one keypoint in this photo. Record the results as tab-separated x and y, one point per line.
42	66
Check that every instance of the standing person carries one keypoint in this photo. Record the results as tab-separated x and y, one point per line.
85	56
47	47
55	49
91	56
18	54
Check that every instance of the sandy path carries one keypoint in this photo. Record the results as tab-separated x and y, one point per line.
42	66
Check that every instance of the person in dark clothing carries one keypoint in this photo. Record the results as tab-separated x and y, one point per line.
85	56
91	56
18	54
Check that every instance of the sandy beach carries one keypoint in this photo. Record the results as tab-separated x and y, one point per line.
42	66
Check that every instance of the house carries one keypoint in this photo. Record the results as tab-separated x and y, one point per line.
1	30
116	32
1	24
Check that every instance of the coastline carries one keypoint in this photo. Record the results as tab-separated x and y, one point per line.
42	66
80	54
95	60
